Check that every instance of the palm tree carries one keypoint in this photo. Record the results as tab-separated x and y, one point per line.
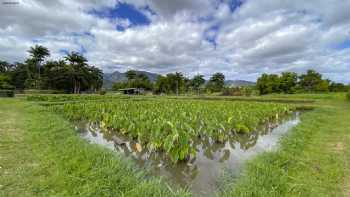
38	54
96	78
78	64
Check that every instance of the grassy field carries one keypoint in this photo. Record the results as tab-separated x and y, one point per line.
313	159
41	155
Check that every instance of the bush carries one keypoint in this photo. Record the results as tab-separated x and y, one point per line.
237	91
7	93
36	91
348	95
102	92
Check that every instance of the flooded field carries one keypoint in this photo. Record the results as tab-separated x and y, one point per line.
202	172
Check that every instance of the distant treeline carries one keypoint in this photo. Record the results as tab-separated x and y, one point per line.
172	83
177	83
72	74
290	82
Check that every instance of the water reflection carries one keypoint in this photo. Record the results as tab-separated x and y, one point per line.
199	173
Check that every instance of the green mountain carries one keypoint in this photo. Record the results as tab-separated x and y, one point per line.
110	78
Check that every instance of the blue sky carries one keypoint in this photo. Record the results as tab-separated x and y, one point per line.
123	11
240	38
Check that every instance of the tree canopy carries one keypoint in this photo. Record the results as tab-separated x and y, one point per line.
134	80
71	74
290	82
216	82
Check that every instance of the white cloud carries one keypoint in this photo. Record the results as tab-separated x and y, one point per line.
260	36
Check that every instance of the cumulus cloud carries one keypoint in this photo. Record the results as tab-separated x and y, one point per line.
241	38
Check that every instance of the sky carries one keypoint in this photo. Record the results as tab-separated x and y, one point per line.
240	38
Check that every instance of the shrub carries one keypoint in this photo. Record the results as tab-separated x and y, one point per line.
7	93
348	95
237	91
35	91
102	92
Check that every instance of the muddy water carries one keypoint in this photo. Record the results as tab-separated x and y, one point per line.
202	173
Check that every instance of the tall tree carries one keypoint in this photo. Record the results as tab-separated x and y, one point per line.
20	75
263	84
172	83
38	53
5	77
176	82
96	79
197	81
58	75
216	82
267	84
78	71
134	80
311	81
161	85
131	74
288	82
337	87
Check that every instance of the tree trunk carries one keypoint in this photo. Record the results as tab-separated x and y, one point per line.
75	86
78	87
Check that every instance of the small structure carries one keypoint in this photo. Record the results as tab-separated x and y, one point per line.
132	91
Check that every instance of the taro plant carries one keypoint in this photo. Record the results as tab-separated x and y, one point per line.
173	125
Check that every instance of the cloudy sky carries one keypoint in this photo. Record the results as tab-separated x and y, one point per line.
240	38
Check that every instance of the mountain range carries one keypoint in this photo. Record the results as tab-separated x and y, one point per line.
110	78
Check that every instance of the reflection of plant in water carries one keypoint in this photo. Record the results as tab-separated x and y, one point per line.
225	156
158	162
173	125
247	141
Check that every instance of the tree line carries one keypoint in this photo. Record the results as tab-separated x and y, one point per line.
286	82
291	82
172	83
72	74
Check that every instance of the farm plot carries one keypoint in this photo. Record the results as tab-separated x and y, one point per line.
173	125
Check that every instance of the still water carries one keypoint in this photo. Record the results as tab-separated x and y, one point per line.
202	173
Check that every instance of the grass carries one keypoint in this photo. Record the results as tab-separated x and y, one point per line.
313	159
42	156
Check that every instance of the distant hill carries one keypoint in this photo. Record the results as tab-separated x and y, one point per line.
110	78
237	83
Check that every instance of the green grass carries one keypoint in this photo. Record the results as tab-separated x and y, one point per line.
42	156
312	160
307	96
